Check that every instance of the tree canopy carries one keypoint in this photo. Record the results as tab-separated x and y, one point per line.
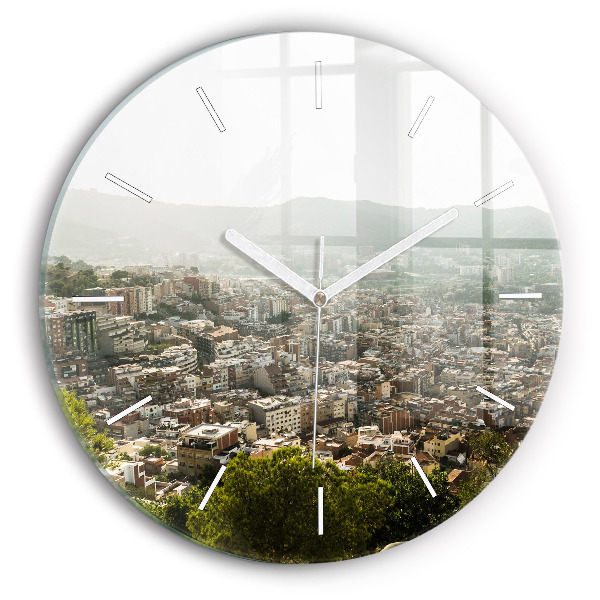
266	508
99	443
412	510
152	450
62	281
490	447
492	452
282	317
118	275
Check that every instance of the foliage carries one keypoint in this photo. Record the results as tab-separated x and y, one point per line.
169	311
77	265
63	282
345	451
282	317
174	510
175	476
471	488
142	493
140	280
152	450
413	511
490	448
189	315
118	275
154	316
266	508
99	443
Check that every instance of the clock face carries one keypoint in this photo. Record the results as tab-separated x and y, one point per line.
301	297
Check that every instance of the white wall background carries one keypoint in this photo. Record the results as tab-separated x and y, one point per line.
65	65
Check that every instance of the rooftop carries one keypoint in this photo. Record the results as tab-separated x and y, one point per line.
207	430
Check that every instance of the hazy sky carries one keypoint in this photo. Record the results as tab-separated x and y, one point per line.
164	142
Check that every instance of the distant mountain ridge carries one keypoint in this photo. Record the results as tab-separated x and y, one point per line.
91	223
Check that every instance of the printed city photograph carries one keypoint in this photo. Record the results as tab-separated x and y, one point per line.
301	298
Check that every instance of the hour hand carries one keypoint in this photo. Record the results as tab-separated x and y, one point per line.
271	264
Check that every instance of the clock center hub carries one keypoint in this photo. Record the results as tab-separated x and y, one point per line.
320	299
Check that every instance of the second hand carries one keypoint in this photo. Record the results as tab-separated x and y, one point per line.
321	253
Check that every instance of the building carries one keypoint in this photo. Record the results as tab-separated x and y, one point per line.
494	415
184	357
395	420
120	335
72	331
201	444
69	364
129	427
192	330
277	413
137	300
442	443
202	286
135	474
55	332
190	412
270	380
165	384
329	407
207	341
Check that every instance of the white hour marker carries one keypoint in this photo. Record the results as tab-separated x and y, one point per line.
422	115
211	110
98	299
495	398
320	503
128	410
318	85
519	296
129	188
212	487
494	193
423	476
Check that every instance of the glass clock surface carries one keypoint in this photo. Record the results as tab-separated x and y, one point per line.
301	297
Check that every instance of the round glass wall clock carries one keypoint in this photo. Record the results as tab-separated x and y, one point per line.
301	297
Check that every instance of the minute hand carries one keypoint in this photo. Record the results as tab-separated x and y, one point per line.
271	264
387	255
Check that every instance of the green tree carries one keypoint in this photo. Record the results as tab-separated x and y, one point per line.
267	508
63	282
282	317
99	443
80	265
152	450
118	275
413	510
490	448
345	451
141	280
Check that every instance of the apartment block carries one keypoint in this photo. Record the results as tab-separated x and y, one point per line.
277	413
120	335
201	444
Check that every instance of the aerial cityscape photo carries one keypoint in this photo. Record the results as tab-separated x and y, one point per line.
218	359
